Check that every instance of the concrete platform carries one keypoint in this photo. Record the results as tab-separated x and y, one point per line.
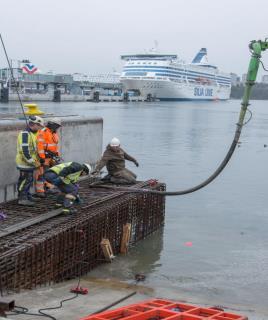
102	292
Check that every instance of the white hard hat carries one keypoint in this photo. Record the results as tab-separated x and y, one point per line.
56	121
115	142
36	120
87	167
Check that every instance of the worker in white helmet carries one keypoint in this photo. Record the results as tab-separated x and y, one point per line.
114	159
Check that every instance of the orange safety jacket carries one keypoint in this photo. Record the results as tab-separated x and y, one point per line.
47	141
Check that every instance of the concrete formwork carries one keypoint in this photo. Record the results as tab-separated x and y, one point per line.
80	140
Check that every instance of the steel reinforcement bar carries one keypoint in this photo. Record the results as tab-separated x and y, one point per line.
66	246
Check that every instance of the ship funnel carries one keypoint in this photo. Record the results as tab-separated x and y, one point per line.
201	55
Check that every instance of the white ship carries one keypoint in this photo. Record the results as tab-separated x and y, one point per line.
165	77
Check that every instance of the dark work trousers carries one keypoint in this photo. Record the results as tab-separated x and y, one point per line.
24	183
70	188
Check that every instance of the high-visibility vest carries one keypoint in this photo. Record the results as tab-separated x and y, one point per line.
47	141
70	178
26	149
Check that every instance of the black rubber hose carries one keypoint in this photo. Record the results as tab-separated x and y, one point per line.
213	176
114	303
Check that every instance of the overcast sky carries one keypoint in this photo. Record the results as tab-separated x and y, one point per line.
89	36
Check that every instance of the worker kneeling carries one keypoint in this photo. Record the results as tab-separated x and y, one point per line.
114	159
64	176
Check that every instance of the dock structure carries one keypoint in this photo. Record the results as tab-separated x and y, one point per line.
40	245
103	98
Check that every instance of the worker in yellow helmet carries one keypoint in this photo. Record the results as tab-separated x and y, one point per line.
27	159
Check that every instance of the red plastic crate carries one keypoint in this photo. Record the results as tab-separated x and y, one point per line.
229	316
119	314
180	307
140	308
204	312
160	309
183	316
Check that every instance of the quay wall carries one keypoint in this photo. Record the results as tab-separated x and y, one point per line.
47	97
80	140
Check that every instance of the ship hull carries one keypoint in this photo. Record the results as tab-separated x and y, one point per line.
167	90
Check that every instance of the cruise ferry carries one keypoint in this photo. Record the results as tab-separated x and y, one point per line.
165	77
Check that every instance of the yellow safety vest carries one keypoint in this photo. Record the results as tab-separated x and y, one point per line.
70	178
26	143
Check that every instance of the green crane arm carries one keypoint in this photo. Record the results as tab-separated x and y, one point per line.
256	48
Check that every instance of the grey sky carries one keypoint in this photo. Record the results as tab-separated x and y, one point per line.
89	36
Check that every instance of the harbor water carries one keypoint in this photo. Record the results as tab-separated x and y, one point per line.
214	246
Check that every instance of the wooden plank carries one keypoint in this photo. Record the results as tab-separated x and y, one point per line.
125	238
107	250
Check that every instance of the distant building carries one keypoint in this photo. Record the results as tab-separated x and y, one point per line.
106	78
264	79
235	80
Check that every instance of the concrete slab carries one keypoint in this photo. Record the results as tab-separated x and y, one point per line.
101	293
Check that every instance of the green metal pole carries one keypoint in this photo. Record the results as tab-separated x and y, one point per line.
256	48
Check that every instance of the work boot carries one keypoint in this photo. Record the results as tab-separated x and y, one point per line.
40	195
52	191
123	181
106	178
60	200
69	210
31	198
78	201
68	203
26	202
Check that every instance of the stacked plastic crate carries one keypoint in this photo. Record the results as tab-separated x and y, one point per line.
158	309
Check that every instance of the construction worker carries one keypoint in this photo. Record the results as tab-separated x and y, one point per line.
48	151
114	159
27	159
64	176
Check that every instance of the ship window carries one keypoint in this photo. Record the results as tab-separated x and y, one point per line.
155	63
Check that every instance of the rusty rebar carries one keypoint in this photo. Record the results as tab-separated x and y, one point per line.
67	246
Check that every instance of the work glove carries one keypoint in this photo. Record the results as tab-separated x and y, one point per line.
31	161
136	163
57	159
35	163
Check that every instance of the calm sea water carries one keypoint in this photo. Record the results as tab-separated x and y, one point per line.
226	222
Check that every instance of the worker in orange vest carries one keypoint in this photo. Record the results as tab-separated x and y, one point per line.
48	151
